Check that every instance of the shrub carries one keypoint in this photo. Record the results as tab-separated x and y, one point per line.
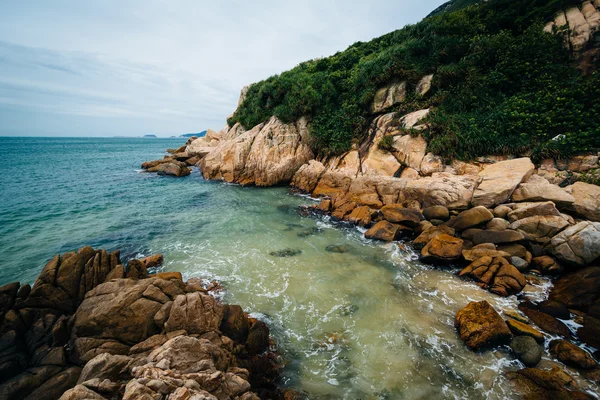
386	143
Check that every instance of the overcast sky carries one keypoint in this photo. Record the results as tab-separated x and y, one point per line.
128	68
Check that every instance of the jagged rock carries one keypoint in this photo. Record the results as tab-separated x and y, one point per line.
389	96
540	228
543	192
546	322
429	233
396	213
496	274
526	349
481	327
54	387
578	244
532	209
571	355
383	230
152	261
196	313
519	328
106	366
470	218
258	337
499	181
442	248
578	290
436	212
534	383
307	177
451	191
587	200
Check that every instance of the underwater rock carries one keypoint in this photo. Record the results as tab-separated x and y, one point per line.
286	252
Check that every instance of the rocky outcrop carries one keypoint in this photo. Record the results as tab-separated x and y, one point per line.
495	274
499	181
86	332
578	244
587	200
577	24
167	166
389	96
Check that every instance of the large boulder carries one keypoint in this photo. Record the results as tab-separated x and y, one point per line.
383	230
540	228
307	177
526	349
495	274
578	244
396	213
587	200
542	191
479	236
470	218
525	210
519	328
388	96
429	233
578	290
196	313
451	191
172	168
481	327
571	355
442	248
534	383
499	181
546	322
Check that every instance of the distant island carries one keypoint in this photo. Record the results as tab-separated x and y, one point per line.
149	136
203	133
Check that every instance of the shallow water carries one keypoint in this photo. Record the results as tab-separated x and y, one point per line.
370	323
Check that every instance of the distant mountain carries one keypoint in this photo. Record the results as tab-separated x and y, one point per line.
203	133
149	136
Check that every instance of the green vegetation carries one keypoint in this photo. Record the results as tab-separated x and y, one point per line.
501	85
386	143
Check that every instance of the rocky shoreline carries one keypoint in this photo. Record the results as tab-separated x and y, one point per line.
92	327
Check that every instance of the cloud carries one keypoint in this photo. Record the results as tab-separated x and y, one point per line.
165	67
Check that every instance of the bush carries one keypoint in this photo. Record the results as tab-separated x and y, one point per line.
386	143
501	86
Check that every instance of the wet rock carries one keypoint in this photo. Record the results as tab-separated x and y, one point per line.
555	308
481	327
546	322
479	236
172	168
546	265
384	230
526	349
571	355
235	323
442	248
286	253
396	213
360	216
470	218
337	248
168	275
515	315
579	289
519	328
578	244
152	261
258	337
499	181
307	177
519	263
429	233
495	274
534	383
587	200
436	212
310	232
589	333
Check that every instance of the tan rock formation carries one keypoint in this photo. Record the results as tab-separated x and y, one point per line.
499	181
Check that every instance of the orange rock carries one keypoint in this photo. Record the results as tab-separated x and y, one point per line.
167	275
481	327
442	247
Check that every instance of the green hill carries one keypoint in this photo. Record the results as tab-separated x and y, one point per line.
501	86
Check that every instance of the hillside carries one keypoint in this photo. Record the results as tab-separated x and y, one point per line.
501	85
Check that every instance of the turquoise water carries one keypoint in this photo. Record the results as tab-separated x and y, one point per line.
369	323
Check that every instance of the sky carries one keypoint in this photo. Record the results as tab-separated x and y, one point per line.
164	67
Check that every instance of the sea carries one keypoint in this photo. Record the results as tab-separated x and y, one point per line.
352	318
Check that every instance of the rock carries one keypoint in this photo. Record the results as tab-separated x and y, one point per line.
383	230
409	151
442	248
589	333
514	249
578	244
424	85
389	96
526	349
308	175
534	383
20	386
196	313
431	164
286	252
235	323
587	200
519	263
173	168
519	328
168	275
579	289
360	216
332	183
499	181
540	228
571	355
495	274
481	327
497	224
554	308
546	265
546	322
379	162
395	213
470	218
428	234
532	209
81	392
409	174
451	191
337	248
483	250
516	315
502	211
363	190
436	212
258	337
106	366
543	192
54	387
479	236
155	260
